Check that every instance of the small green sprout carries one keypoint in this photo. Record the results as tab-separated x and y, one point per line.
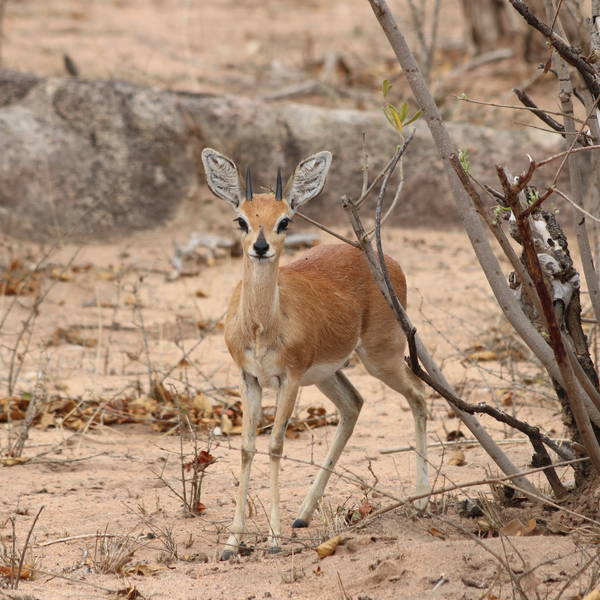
463	157
386	86
398	117
498	212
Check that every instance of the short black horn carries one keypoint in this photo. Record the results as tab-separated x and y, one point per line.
248	185
279	187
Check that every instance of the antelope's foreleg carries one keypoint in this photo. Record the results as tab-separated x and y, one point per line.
251	403
286	399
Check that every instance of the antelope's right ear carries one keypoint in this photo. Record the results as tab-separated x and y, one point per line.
222	176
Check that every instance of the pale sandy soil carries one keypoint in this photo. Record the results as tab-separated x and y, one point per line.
258	48
105	480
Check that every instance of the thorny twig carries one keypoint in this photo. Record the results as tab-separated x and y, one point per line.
511	192
17	576
513	107
567	52
524	97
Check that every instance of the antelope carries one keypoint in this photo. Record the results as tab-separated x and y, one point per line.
299	324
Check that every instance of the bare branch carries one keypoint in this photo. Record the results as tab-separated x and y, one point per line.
587	71
511	106
576	206
524	97
541	163
327	230
569	382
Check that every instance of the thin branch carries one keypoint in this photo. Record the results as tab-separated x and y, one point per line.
433	38
541	163
560	2
587	71
358	203
326	229
575	138
532	432
467	182
394	202
537	111
569	382
576	206
505	479
22	559
464	442
512	106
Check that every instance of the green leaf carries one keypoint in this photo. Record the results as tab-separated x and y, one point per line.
404	111
462	96
391	112
463	157
414	117
386	86
532	196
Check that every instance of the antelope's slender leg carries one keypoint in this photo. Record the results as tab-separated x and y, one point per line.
286	399
251	403
394	372
348	402
406	382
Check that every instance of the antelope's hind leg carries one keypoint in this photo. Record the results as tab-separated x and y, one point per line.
348	402
251	401
395	373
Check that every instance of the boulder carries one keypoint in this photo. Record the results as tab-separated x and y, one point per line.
98	159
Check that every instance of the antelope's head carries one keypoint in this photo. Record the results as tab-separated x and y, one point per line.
263	219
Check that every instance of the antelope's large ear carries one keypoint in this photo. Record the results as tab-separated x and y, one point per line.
308	179
222	176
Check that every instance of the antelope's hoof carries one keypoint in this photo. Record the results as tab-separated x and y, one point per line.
273	550
299	524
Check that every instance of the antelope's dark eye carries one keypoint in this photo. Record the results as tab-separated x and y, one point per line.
242	223
283	225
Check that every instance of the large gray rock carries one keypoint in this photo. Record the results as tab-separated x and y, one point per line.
106	158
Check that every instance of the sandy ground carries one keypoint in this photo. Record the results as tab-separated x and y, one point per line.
129	320
257	49
106	479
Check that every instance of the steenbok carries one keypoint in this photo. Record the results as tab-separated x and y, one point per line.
299	324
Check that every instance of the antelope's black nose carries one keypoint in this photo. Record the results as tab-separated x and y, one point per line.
261	245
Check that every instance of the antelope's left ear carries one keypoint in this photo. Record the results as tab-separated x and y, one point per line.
308	179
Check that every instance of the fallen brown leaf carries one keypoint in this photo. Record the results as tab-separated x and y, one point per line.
328	548
483	355
60	275
143	569
507	398
435	532
515	527
203	405
71	335
366	508
11	461
25	573
485	526
456	458
129	593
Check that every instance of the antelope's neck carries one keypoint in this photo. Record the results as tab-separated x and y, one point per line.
260	297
